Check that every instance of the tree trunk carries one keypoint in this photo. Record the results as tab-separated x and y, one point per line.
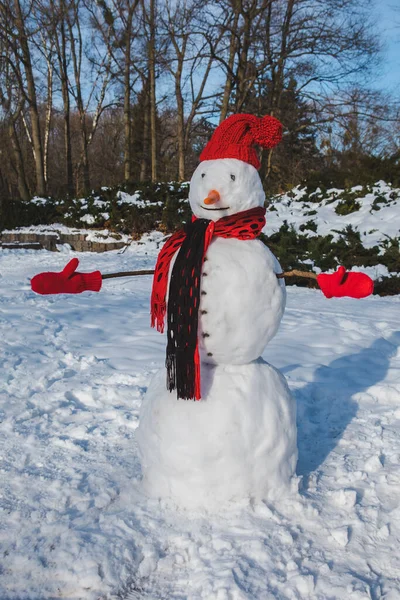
242	71
127	124
146	119
127	101
85	160
62	59
49	110
181	138
180	115
278	75
67	141
83	183
19	162
153	106
31	95
231	61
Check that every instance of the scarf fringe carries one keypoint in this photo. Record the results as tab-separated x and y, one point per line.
183	373
158	312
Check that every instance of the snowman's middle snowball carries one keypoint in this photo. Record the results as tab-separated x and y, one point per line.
235	322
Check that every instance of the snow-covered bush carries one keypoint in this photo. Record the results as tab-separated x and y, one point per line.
133	209
306	228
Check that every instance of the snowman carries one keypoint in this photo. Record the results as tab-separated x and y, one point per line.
216	287
218	423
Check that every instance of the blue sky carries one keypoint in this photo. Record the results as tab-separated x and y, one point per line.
388	23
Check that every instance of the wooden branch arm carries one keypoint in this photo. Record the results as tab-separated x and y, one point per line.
296	273
127	274
293	273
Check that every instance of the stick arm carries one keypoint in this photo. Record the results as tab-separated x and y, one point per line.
334	285
293	273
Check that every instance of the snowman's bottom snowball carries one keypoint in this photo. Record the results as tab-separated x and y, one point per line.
238	442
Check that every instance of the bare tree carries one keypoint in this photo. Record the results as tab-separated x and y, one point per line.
149	21
270	42
161	73
359	121
89	99
15	35
11	104
117	22
52	16
189	63
44	46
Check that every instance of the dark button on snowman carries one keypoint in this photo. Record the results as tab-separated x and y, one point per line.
216	286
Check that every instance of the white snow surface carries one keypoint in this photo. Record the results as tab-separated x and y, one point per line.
74	521
374	226
88	219
136	199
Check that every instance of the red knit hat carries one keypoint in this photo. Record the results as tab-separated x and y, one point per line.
237	135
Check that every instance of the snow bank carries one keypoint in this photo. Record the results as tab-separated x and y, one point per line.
377	218
93	235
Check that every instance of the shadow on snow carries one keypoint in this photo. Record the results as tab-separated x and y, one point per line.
325	406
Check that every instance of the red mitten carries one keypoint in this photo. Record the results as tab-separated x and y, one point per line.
67	282
341	283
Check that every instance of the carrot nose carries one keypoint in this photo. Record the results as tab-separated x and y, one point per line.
212	197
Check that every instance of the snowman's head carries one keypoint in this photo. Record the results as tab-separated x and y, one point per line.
223	187
226	181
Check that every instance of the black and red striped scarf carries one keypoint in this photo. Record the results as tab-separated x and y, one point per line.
182	358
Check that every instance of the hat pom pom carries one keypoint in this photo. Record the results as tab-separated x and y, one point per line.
267	132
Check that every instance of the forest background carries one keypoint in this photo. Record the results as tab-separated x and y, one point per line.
110	92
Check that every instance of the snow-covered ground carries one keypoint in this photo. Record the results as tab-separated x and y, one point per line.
73	521
377	218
